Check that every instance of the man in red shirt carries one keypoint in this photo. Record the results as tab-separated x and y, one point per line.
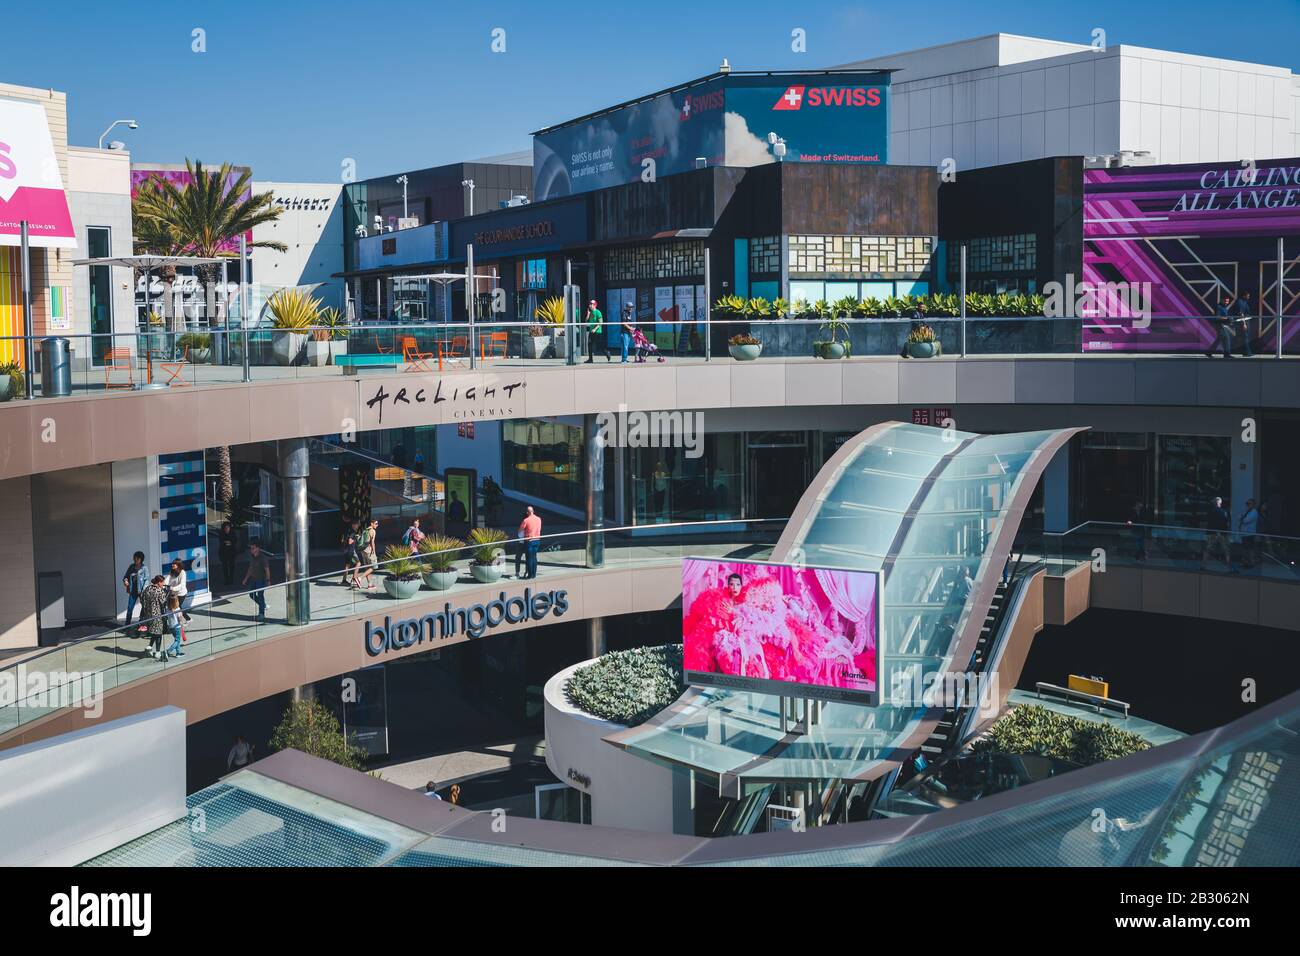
530	530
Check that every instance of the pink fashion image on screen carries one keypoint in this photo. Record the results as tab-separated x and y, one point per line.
802	625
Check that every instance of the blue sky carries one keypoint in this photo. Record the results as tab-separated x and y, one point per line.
294	88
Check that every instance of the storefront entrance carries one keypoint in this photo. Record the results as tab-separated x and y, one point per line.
777	473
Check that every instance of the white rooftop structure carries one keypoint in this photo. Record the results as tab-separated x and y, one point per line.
1005	98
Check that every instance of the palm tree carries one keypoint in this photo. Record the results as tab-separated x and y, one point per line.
153	236
202	219
206	215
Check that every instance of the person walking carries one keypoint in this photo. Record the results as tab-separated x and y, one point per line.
492	501
530	529
1245	313
153	605
259	576
1223	335
413	535
1138	521
176	625
627	330
417	463
1217	524
595	332
366	547
1248	528
351	558
134	581
177	585
226	548
240	756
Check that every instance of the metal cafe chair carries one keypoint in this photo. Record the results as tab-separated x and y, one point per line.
176	369
494	345
119	360
416	360
454	351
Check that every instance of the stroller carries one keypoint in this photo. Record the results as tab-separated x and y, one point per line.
644	346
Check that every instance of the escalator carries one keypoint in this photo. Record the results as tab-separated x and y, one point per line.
740	817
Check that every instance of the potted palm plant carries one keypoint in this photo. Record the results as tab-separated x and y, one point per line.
834	347
923	343
488	554
744	347
12	381
401	572
293	312
550	323
199	346
438	557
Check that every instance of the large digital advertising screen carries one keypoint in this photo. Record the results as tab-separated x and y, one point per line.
1185	237
31	188
823	118
778	629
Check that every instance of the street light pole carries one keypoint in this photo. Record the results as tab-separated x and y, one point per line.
469	184
28	328
130	124
404	179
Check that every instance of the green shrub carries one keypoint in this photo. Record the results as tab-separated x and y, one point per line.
629	687
400	564
1031	729
487	544
438	553
308	726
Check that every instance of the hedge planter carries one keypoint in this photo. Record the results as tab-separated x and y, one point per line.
486	573
401	590
745	353
923	349
829	350
440	580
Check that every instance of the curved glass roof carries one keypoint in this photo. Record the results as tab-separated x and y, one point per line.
926	506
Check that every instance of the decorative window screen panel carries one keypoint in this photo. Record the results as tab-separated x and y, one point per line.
665	260
765	254
860	255
991	254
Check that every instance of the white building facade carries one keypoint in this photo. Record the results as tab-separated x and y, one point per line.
311	225
1003	99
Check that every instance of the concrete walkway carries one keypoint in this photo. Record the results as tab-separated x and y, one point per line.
121	656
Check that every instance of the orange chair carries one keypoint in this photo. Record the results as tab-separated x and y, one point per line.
455	350
496	344
416	360
380	348
119	360
175	369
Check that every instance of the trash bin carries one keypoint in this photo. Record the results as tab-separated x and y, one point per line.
56	367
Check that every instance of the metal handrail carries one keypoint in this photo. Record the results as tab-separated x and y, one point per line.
379	566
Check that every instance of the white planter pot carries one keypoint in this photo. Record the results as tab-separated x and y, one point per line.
287	346
486	573
440	580
318	353
535	346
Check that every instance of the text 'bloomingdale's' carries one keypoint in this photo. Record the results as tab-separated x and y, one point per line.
473	621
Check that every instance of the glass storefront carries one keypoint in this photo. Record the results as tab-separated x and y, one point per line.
667	485
544	459
1173	476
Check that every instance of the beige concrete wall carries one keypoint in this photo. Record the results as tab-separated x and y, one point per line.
72	528
111	427
1235	599
18	583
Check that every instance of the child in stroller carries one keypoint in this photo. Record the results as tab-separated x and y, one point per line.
644	346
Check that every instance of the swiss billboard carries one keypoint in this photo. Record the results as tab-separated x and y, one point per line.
823	118
1189	236
778	629
31	188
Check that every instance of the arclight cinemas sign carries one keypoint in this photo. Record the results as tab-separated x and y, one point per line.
473	621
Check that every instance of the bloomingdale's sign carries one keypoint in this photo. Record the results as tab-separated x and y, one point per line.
474	621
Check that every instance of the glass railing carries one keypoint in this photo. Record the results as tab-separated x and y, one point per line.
74	673
159	358
1167	547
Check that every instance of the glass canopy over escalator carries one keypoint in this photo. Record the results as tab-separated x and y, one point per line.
936	511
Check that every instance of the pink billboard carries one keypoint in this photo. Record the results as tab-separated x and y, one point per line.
778	629
31	188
